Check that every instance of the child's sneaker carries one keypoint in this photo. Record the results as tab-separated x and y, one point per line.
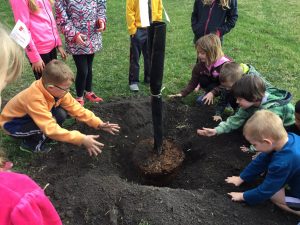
80	100
199	99
92	97
30	147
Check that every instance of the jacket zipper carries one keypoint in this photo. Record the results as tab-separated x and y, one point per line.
209	16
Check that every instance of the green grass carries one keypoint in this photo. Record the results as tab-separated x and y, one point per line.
266	36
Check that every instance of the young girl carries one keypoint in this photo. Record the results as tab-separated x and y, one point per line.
82	23
23	201
37	16
213	16
206	71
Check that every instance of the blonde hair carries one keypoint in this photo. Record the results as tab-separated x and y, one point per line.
12	58
223	3
231	72
57	72
211	45
34	7
264	124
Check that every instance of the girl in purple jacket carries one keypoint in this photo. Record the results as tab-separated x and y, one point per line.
82	23
38	17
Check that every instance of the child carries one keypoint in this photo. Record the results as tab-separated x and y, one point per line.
40	116
229	74
82	23
280	156
23	201
213	16
206	71
295	128
252	95
44	38
139	15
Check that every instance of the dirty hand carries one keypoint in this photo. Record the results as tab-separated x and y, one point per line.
244	149
236	196
38	66
206	132
81	38
208	98
92	145
217	118
111	128
175	96
236	180
62	52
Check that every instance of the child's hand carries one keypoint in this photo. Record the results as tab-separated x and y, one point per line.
206	132
92	145
244	149
101	25
111	128
81	38
208	98
236	196
197	88
175	96
217	118
236	180
62	52
38	66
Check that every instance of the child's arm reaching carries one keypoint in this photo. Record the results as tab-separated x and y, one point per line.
237	181
92	145
175	95
208	132
111	128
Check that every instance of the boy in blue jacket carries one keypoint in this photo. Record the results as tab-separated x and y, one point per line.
280	157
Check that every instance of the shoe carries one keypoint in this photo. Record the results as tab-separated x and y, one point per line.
134	87
30	147
92	97
199	99
80	100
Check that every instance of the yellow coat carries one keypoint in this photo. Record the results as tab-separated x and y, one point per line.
133	14
37	103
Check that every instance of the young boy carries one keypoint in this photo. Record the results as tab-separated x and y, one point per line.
38	112
280	157
139	15
252	95
295	128
229	74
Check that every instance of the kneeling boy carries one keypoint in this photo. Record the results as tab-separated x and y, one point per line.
39	111
280	157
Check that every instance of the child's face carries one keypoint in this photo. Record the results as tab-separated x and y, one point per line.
297	120
58	91
243	103
265	145
201	55
227	85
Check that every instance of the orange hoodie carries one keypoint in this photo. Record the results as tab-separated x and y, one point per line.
37	103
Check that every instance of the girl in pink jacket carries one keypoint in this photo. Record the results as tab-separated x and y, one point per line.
38	17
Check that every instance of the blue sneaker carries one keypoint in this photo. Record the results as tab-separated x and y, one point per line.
199	99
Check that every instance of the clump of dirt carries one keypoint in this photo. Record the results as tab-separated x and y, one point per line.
109	190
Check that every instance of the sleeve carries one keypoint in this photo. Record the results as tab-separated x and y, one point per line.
194	81
233	122
231	18
160	10
21	12
194	16
63	21
130	17
275	179
35	209
101	9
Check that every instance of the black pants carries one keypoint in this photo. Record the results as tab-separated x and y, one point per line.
138	45
46	58
84	75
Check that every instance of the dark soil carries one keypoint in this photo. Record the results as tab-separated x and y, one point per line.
109	190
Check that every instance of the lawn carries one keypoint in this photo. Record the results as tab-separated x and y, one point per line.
266	36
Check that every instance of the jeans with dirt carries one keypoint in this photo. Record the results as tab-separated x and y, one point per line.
138	45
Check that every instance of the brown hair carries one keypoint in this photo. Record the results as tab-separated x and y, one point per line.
211	45
34	7
57	72
223	3
249	87
231	72
264	124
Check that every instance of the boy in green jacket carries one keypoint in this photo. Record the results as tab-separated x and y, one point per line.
252	95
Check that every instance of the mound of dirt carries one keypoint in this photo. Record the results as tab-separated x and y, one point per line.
109	190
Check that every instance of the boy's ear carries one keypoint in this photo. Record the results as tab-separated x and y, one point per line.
268	141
